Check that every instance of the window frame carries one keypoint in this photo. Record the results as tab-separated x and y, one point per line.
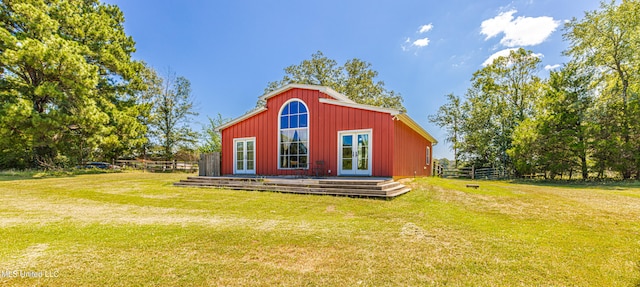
280	130
428	156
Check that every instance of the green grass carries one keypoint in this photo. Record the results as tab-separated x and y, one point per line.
136	229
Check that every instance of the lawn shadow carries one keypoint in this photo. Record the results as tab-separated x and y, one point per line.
581	184
12	175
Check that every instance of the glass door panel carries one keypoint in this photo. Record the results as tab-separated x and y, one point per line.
363	152
347	152
250	158
240	156
245	156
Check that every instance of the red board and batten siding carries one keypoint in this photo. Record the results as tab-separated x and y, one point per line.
325	121
410	154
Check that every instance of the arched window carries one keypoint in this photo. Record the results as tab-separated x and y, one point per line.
294	136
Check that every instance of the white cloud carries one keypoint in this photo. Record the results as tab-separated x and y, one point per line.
410	44
421	42
406	45
521	31
502	53
538	55
505	53
552	67
496	25
425	28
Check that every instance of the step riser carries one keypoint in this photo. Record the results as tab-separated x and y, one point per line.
318	181
366	188
288	188
323	185
225	183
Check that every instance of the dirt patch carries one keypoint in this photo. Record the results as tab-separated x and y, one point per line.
26	259
330	208
31	210
293	258
413	231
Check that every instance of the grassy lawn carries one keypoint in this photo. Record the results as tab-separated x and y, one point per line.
136	229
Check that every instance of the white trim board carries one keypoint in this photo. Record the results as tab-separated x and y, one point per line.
392	112
241	118
326	90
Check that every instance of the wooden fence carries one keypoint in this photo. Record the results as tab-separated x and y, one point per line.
473	173
209	164
159	165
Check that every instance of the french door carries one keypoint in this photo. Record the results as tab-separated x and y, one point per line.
244	156
354	153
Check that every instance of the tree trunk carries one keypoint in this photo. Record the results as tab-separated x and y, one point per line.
584	167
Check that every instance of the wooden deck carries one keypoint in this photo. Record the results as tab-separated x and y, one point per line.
361	187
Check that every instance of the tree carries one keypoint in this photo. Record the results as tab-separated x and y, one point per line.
355	79
62	63
171	114
450	117
126	133
359	85
212	138
525	150
501	97
555	140
564	117
479	129
606	42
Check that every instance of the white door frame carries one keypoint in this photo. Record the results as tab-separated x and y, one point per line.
354	170
245	158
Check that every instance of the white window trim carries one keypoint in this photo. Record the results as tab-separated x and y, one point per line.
308	134
370	153
235	153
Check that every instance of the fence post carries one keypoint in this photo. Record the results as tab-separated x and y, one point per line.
202	168
473	172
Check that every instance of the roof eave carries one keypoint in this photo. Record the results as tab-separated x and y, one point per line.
326	90
417	128
241	118
392	112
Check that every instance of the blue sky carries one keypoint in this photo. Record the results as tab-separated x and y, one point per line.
230	50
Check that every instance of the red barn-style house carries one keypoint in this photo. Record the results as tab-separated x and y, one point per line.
310	130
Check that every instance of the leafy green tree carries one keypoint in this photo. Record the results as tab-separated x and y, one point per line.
606	42
171	115
129	112
565	119
525	150
355	79
556	139
501	97
479	129
62	63
212	138
450	117
445	163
